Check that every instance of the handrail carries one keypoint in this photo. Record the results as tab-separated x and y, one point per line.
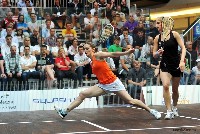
191	26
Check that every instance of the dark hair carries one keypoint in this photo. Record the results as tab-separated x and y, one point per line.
26	46
8	36
117	38
20	16
81	46
44	46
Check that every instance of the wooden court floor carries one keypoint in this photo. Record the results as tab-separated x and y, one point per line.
113	120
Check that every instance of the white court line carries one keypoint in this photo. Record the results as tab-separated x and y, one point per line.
48	121
96	125
3	123
24	122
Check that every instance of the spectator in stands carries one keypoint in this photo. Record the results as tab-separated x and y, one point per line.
119	11
58	13
4	9
152	64
136	79
124	7
48	17
59	43
45	64
5	47
126	63
9	31
37	48
12	66
96	35
102	4
22	25
16	14
27	43
64	68
6	21
25	9
89	22
146	48
68	31
28	64
153	30
76	11
46	29
33	24
83	64
95	9
69	41
118	20
138	43
3	78
51	40
123	42
131	24
117	31
27	16
21	3
34	37
193	54
196	73
73	49
20	36
110	62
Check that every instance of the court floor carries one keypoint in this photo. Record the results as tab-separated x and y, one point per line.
112	120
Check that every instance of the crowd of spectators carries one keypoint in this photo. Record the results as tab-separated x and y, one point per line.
31	47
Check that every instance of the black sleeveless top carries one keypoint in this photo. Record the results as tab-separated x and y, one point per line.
170	57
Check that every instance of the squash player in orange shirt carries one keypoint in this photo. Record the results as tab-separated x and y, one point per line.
108	82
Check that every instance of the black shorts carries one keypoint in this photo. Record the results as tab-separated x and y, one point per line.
173	70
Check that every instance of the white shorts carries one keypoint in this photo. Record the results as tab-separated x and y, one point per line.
115	86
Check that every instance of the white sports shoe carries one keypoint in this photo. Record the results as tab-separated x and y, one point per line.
169	116
175	111
155	113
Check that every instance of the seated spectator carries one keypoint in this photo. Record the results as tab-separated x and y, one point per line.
4	9
136	80
51	39
2	73
20	36
16	14
116	48
95	9
138	43
13	67
33	24
126	63
73	49
110	62
124	7
124	36
119	22
89	24
28	44
131	24
9	31
5	47
76	11
21	24
195	78
21	3
45	64
37	48
27	16
34	37
65	68
6	21
153	31
28	64
59	13
48	17
83	64
146	48
25	9
68	32
46	29
59	43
